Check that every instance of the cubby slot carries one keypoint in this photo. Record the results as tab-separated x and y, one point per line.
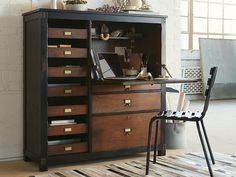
57	101
71	80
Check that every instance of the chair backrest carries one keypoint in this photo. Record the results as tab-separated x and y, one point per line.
210	83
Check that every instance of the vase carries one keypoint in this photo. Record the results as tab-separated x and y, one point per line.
135	3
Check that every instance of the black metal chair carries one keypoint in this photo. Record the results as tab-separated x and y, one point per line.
185	116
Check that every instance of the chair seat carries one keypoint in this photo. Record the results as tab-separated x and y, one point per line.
179	115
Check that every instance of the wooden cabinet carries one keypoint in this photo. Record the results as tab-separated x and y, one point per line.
68	115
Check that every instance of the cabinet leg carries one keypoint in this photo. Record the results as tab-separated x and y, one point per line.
43	166
27	159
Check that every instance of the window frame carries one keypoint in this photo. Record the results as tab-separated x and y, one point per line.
190	20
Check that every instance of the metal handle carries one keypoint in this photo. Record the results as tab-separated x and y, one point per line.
67	110
127	87
67	52
67	91
68	130
67	72
127	102
67	33
127	131
68	148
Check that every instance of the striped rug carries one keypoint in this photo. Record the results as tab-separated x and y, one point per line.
187	165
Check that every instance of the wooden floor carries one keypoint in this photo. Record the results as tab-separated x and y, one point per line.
176	164
20	168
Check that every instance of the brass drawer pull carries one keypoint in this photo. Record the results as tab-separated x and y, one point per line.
127	87
67	91
68	130
127	102
67	72
67	33
67	52
127	131
68	110
69	148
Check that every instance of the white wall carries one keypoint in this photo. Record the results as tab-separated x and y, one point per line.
11	58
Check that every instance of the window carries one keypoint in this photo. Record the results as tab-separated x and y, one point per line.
207	19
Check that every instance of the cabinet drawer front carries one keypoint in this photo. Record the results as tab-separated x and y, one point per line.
125	102
126	88
67	110
67	52
75	71
68	148
70	90
67	129
112	133
67	33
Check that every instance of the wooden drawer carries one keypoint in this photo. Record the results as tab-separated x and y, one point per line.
110	133
67	33
68	110
114	88
68	90
68	148
67	52
126	102
67	129
69	71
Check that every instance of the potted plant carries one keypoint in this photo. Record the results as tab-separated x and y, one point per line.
76	5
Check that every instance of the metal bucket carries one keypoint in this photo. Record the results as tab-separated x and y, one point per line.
175	135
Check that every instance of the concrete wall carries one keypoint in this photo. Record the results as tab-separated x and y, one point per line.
11	58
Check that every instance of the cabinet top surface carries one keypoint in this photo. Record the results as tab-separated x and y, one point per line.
89	13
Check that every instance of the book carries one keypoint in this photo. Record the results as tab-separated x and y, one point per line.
52	46
62	122
64	46
142	12
63	141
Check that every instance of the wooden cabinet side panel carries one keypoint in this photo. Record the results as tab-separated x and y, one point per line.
33	87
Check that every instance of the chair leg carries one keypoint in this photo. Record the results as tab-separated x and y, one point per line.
204	149
149	145
207	141
156	143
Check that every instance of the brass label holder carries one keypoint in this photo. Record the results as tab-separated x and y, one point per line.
67	91
127	131
67	33
67	72
68	148
68	110
67	52
127	102
127	87
68	130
